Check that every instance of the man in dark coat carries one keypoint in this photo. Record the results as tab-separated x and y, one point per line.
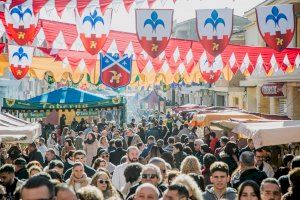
179	154
247	171
35	154
116	155
20	169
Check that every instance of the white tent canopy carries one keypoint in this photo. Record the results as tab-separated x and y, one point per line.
270	133
12	128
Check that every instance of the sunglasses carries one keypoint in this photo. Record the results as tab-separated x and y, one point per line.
149	176
103	181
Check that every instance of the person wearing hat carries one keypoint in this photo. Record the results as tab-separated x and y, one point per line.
20	169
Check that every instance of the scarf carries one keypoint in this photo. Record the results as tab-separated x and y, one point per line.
87	141
83	180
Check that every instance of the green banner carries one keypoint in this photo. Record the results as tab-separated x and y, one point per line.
87	113
13	104
35	115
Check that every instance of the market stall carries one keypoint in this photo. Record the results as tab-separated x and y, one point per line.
12	129
270	133
71	101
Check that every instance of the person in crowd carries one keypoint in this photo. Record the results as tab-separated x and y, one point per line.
171	175
102	181
105	156
185	130
64	134
197	149
99	163
284	180
68	146
103	142
91	145
270	189
42	146
52	142
69	160
89	193
101	125
205	149
80	156
219	177
21	172
64	192
194	191
286	166
294	192
213	141
78	143
74	124
9	181
161	164
118	178
249	190
111	146
146	191
190	165
249	147
150	142
49	156
132	176
229	156
153	131
34	170
176	192
131	138
116	155
154	152
208	160
78	178
178	154
168	157
141	133
55	176
56	165
38	187
62	121
35	154
199	179
262	164
223	141
247	171
169	147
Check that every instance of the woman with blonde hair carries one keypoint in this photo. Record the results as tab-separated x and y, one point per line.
190	165
194	191
102	181
103	142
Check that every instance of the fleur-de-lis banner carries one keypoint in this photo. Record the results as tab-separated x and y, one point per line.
154	28
210	72
93	28
214	28
20	58
21	22
115	70
276	25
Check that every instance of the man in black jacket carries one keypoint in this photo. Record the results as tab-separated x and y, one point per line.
20	169
35	154
9	181
80	156
247	171
116	155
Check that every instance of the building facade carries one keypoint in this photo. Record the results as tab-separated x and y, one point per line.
280	93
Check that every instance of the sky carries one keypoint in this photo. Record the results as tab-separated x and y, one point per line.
183	10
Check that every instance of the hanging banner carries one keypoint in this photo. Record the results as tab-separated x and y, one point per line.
21	22
93	28
34	115
20	58
115	70
276	25
210	72
154	28
214	29
87	113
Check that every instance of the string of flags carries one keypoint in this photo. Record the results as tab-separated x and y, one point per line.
150	54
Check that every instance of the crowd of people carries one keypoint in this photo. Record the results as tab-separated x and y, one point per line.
148	160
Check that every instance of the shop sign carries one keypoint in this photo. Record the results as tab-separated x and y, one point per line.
87	113
273	90
35	115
